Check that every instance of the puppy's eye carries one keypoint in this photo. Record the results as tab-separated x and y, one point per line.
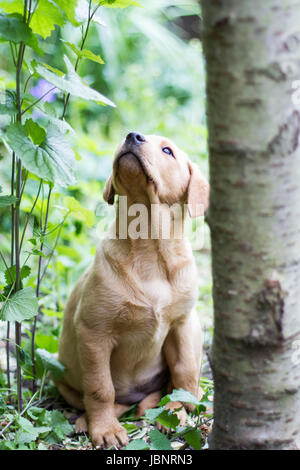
168	151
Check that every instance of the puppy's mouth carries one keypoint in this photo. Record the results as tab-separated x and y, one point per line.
140	162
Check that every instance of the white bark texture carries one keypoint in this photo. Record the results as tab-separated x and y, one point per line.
252	50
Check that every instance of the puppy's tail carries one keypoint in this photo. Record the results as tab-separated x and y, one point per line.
71	395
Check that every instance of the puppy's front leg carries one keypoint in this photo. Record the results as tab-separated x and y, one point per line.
98	390
183	350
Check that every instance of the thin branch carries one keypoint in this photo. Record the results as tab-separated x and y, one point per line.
12	53
33	331
29	215
54	247
37	101
84	37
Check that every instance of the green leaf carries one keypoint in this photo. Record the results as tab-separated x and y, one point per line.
48	114
137	444
130	428
22	305
60	425
35	132
10	273
120	3
36	413
12	6
68	7
168	419
79	212
7	445
50	343
7	200
153	413
53	160
23	357
84	53
13	28
27	432
72	83
8	102
159	441
45	17
194	439
50	363
180	395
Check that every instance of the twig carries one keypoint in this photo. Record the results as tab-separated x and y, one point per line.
30	213
38	291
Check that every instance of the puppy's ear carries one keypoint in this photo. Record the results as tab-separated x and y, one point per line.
197	192
109	192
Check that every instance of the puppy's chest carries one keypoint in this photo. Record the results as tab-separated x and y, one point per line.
155	306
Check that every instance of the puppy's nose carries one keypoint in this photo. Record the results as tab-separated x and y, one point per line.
135	138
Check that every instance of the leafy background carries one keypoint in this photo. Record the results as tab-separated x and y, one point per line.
145	63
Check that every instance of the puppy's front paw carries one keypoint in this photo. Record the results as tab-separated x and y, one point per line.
108	435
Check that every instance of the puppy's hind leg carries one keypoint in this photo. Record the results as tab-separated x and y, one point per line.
150	401
71	395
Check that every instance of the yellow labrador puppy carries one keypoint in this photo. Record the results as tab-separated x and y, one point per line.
130	327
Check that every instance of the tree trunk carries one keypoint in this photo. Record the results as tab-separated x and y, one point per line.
252	50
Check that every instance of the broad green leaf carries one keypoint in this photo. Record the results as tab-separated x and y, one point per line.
7	200
76	209
27	432
159	441
48	114
60	425
50	363
35	413
84	53
7	445
8	102
153	413
137	444
23	357
10	273
53	160
69	7
130	428
12	6
72	83
119	3
50	343
35	132
13	28
180	395
168	419
22	305
45	17
194	439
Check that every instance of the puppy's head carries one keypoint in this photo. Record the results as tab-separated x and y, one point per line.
150	165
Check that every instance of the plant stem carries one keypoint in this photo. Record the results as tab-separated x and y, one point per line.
29	215
37	101
38	292
54	246
90	16
18	278
17	214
